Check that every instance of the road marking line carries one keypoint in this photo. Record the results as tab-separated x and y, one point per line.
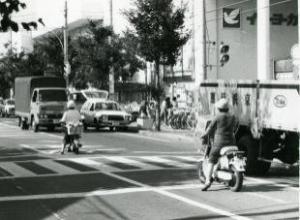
165	161
144	137
29	147
16	170
272	183
94	164
180	198
166	152
57	167
86	161
125	160
267	197
73	195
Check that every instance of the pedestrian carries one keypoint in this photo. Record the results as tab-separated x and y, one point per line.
221	129
144	110
166	107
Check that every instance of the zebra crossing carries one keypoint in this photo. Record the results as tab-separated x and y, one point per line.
87	165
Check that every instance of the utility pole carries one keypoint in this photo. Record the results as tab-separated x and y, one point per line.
111	70
67	67
204	41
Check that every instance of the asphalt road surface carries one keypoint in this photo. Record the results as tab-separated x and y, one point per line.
126	175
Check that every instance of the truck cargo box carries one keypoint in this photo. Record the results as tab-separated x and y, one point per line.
24	87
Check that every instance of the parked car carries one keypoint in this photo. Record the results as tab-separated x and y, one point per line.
9	107
80	97
101	113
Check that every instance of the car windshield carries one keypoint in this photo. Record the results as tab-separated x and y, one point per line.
52	95
106	106
10	102
96	94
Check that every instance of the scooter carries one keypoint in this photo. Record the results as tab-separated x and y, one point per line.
74	134
230	168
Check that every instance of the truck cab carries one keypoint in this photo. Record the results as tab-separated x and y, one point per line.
47	107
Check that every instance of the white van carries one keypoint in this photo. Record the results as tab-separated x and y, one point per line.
80	97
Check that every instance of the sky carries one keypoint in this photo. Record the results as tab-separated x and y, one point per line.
52	13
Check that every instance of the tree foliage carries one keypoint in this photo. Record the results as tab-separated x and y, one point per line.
100	49
159	30
90	55
160	34
7	8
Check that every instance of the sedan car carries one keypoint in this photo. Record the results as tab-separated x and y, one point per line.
9	107
101	113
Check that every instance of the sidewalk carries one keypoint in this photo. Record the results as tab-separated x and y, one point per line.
171	134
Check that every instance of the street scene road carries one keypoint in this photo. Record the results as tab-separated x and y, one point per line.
127	175
149	109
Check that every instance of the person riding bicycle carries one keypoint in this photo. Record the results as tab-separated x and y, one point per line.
222	129
72	115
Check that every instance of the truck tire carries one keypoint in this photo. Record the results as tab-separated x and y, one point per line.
290	154
251	147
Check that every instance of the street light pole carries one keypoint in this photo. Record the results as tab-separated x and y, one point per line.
66	60
111	70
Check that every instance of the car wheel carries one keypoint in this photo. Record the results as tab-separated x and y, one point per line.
111	128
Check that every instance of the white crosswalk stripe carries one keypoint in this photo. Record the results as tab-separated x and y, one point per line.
96	164
52	165
16	170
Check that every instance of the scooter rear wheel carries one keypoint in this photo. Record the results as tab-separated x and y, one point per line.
237	182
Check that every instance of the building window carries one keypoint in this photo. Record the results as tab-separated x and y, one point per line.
223	95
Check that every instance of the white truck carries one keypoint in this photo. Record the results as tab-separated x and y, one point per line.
269	116
40	101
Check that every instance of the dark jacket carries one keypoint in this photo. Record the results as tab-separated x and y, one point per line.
221	129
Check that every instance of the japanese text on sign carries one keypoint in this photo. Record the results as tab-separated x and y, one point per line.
277	19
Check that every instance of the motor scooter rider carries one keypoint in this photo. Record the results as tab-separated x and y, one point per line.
222	129
72	115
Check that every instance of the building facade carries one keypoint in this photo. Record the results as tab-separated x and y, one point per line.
255	44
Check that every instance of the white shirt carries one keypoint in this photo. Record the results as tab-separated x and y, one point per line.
71	116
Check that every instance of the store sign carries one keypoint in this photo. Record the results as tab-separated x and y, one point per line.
277	19
231	18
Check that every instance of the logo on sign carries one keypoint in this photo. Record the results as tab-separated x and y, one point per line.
231	18
280	101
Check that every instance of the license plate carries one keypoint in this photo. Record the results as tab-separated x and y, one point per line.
115	123
55	121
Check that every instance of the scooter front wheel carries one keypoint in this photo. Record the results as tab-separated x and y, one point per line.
236	183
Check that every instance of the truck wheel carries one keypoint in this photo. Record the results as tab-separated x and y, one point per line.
253	165
35	126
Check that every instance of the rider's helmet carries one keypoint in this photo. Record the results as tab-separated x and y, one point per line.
222	104
71	104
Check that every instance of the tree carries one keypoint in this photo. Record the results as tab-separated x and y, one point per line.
7	8
158	27
95	56
50	51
